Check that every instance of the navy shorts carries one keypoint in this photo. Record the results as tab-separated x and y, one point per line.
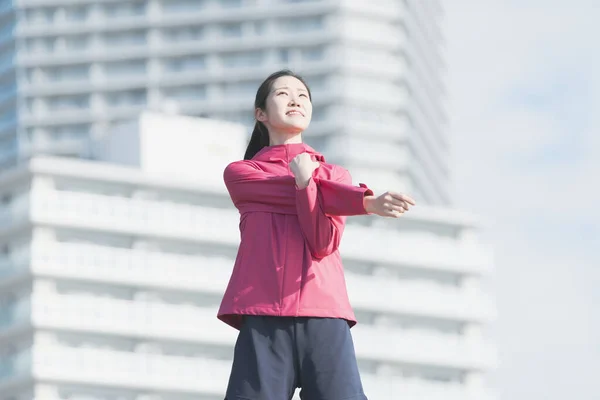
275	355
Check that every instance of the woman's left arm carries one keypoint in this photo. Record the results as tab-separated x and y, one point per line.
340	197
321	228
323	233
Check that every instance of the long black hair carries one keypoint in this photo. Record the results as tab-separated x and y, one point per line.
260	134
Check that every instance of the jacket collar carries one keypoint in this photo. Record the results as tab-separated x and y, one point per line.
286	152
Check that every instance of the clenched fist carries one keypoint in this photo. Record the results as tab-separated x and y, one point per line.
303	166
389	204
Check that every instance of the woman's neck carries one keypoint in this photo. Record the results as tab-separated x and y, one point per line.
277	139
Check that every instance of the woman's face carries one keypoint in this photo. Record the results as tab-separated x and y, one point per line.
288	107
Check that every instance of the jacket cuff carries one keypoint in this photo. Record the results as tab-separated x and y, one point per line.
365	191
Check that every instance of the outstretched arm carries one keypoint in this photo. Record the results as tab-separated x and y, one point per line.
322	229
247	184
339	197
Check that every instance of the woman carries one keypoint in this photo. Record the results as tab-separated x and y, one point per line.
287	293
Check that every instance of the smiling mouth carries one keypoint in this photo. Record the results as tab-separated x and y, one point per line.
294	113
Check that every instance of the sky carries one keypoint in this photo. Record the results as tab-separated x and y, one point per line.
524	117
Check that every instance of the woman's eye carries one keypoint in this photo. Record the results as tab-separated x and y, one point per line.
281	93
304	94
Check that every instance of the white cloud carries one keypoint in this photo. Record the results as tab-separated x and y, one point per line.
524	96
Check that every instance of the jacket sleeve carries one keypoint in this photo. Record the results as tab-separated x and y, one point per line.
340	197
323	229
248	184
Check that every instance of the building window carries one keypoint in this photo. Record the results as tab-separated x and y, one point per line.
231	3
231	30
69	132
125	68
65	74
259	28
245	118
316	83
188	33
320	114
283	55
182	6
75	102
312	54
30	105
127	38
126	98
190	63
40	45
40	15
77	14
307	24
76	43
125	9
243	59
248	88
186	93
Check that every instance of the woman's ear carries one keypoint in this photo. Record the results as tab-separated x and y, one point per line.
260	115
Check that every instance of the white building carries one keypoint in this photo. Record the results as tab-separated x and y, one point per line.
111	275
70	69
111	272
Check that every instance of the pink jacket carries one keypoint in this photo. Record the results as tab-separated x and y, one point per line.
288	263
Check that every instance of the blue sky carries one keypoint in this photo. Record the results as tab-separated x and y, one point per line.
524	105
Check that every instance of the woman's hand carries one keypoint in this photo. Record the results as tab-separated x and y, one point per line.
303	166
389	204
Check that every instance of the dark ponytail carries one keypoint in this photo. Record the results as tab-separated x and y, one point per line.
258	140
260	134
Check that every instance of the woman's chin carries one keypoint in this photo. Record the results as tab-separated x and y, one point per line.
295	128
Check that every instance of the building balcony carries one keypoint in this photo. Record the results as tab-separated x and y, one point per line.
139	371
165	50
82	115
155	321
166	80
210	275
160	18
220	226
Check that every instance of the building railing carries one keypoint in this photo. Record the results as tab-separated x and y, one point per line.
188	222
194	375
193	323
193	16
210	274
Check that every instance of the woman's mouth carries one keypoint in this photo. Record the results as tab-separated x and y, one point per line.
294	112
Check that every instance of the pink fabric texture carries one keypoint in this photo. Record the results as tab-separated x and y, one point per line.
288	263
